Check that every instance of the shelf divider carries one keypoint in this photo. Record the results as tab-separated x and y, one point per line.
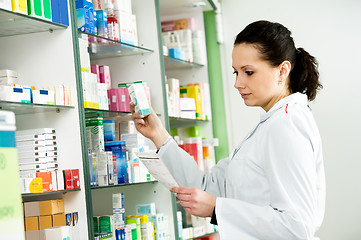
101	47
120	185
25	108
172	63
12	23
185	122
47	194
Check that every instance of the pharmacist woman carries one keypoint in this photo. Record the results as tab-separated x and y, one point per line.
272	186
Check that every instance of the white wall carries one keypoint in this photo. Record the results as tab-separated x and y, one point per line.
331	31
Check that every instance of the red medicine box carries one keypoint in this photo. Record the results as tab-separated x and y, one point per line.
71	178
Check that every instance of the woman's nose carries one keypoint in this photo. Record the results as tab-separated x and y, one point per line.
239	83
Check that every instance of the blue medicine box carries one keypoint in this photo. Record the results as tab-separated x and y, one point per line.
102	23
119	150
175	53
84	16
59	12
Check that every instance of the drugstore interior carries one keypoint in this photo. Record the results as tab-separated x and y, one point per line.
55	66
70	70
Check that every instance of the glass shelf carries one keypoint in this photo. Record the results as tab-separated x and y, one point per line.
28	195
106	113
109	113
185	122
171	63
12	23
26	108
120	185
101	47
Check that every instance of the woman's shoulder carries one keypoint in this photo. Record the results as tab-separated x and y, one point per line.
292	115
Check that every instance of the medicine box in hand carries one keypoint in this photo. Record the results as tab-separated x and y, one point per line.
139	98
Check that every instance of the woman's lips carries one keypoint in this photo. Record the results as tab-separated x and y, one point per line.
245	95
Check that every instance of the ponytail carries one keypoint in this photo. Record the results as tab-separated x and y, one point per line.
304	76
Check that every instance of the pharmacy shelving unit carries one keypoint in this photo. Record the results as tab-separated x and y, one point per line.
187	72
129	63
42	54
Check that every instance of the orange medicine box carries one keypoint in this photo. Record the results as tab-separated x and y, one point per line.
61	206
31	223
47	181
45	222
48	207
59	220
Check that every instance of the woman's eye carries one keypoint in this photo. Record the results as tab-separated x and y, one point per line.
235	72
249	73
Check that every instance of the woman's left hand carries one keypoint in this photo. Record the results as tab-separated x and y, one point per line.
195	201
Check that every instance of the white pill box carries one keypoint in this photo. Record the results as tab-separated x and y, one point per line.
5	4
36	131
138	97
15	94
43	96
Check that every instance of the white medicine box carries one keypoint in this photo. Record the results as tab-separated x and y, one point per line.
15	94
44	97
5	4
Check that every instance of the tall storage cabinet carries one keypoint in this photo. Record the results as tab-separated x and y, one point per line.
129	63
42	54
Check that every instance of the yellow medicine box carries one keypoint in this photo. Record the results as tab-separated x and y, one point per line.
19	6
193	92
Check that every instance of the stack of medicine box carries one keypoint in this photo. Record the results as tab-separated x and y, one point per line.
113	224
194	92
161	225
37	151
10	91
179	43
126	19
134	224
137	143
46	219
119	99
119	216
147	227
149	223
85	16
95	93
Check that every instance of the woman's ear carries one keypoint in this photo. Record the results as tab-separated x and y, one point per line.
285	69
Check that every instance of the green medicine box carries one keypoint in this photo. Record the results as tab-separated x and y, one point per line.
105	224
47	9
35	8
39	8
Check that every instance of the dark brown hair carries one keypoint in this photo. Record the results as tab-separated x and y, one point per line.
275	44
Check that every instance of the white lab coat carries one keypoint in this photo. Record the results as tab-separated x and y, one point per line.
273	186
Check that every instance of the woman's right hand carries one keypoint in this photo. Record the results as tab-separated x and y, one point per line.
150	126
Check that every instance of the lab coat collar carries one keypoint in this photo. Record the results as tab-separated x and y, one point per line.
293	98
